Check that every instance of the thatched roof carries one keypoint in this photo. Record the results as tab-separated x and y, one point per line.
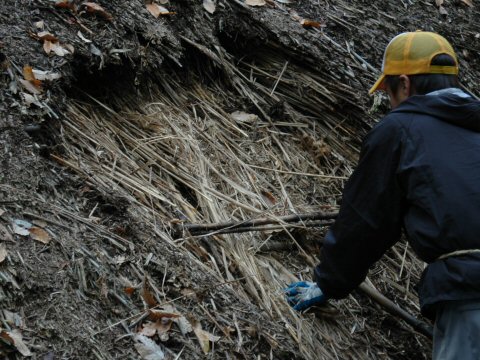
247	115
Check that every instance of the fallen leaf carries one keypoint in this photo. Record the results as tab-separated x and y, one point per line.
147	295
16	338
204	337
148	349
30	76
439	2
94	8
66	4
243	117
157	10
158	315
160	327
55	47
30	99
3	253
21	227
40	223
310	23
46	75
468	2
443	11
255	2
209	5
45	35
39	234
268	197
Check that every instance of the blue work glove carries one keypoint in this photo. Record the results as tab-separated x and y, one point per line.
301	295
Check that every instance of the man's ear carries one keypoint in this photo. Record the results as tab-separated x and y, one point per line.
405	86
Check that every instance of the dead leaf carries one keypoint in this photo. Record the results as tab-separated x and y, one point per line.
30	99
204	337
3	253
147	295
468	2
129	291
209	5
39	234
439	2
21	227
30	76
148	349
45	35
160	327
243	117
255	2
40	223
157	10
56	47
66	4
158	315
46	75
268	197
15	338
94	8
81	36
310	23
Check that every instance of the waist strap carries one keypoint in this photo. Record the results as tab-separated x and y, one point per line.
458	253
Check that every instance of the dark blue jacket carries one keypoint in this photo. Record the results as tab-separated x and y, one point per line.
419	170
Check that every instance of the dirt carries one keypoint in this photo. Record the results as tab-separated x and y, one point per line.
70	293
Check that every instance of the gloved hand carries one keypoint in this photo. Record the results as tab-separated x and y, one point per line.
301	295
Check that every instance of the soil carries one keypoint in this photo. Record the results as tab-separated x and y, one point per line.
70	293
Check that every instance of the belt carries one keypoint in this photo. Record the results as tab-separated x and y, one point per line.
458	253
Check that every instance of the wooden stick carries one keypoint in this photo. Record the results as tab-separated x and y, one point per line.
394	309
194	228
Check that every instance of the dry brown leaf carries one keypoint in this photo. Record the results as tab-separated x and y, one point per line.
468	2
204	337
94	8
160	327
268	197
147	295
55	47
157	10
45	35
30	76
158	315
3	253
209	5
129	290
39	234
310	23
66	4
255	2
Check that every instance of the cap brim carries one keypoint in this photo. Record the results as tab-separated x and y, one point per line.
379	85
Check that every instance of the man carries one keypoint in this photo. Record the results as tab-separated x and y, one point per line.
419	170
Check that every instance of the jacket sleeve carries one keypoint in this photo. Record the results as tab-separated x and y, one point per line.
370	217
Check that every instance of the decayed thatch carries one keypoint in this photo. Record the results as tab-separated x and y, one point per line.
184	155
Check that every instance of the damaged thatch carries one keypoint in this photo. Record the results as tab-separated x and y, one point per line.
210	112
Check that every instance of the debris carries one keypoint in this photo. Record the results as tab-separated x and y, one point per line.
468	2
204	337
160	327
5	234
14	338
310	23
147	348
243	117
209	5
255	2
46	75
66	4
157	10
94	8
81	36
3	252
39	234
21	227
268	197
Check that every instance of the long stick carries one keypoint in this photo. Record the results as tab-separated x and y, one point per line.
195	228
394	309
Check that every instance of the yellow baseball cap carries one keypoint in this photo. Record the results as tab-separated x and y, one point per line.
411	53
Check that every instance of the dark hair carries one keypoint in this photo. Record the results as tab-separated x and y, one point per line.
425	83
